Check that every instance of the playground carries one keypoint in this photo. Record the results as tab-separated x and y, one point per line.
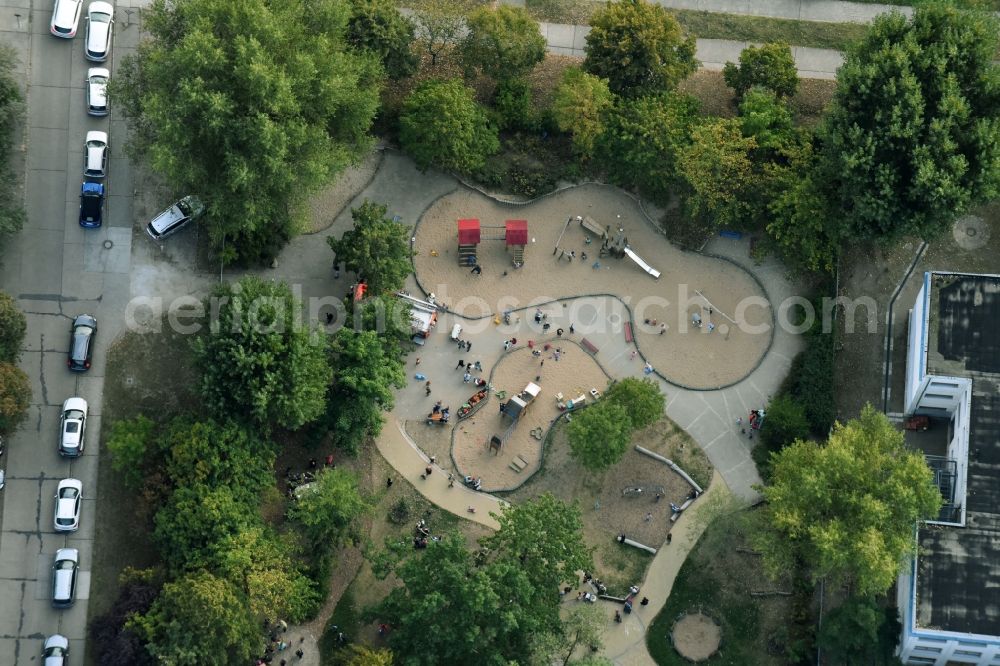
573	375
551	253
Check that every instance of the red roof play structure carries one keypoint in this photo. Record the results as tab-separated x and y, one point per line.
468	232
516	232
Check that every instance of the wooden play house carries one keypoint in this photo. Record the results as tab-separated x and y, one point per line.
470	234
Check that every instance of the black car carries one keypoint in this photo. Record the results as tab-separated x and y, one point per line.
81	343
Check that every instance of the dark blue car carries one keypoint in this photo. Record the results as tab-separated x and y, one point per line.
91	205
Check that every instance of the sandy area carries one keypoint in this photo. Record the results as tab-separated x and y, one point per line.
689	356
696	637
575	373
324	207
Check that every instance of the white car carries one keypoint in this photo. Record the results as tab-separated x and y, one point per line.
176	217
64	571
65	18
100	17
95	155
55	651
69	494
72	427
97	91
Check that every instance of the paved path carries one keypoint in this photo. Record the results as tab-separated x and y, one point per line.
570	40
824	11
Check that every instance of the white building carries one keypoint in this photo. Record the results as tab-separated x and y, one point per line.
949	595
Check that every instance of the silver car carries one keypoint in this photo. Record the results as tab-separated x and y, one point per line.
55	651
72	427
97	91
176	217
64	570
65	18
100	17
69	495
95	155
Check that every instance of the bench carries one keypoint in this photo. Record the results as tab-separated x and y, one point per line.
589	346
628	332
518	464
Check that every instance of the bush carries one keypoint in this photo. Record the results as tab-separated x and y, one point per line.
512	101
786	422
128	445
812	373
15	397
114	644
12	329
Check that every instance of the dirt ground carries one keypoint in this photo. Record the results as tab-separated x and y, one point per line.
690	283
324	207
875	272
696	636
606	511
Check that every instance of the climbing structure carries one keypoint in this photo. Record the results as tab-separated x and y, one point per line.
470	233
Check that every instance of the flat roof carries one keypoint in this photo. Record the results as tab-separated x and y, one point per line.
958	569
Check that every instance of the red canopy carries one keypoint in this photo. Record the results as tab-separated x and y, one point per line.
468	232
517	232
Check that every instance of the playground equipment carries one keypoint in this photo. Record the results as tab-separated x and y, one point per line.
470	235
615	245
516	407
472	403
423	316
570	405
630	253
672	465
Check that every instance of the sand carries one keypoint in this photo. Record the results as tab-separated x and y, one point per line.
324	206
696	637
575	373
685	355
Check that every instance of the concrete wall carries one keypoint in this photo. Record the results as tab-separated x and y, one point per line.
916	349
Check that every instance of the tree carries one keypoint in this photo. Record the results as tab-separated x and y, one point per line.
642	139
258	362
442	125
378	27
584	626
194	523
377	248
502	43
12	213
641	398
15	397
785	423
441	26
719	173
13	325
513	105
639	47
848	508
807	233
328	507
579	106
250	104
599	435
199	620
854	632
770	66
765	118
115	644
366	373
129	446
912	139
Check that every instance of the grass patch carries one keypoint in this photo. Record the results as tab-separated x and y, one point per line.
147	374
984	5
718	578
346	618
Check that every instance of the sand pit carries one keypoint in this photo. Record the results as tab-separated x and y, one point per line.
696	637
574	373
689	284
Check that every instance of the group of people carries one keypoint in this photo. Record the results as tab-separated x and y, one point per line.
277	644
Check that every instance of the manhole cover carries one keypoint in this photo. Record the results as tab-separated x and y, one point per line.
108	244
971	232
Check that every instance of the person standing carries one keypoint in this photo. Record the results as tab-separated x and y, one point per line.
468	346
388	483
427	387
461	364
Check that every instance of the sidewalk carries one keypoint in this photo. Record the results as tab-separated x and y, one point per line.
570	40
823	11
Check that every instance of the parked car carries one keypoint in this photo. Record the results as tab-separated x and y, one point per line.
100	17
91	205
97	91
65	18
55	651
95	155
176	217
72	427
81	343
64	570
69	494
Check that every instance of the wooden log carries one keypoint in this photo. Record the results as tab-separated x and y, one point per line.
673	466
771	593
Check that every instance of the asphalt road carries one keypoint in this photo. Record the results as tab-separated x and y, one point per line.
57	270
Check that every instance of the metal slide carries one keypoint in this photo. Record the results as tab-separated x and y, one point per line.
642	264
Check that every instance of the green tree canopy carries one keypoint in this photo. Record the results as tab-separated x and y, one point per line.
13	325
859	631
442	125
641	398
785	423
376	248
719	173
366	373
912	139
579	106
328	507
642	139
599	435
378	27
200	620
584	625
131	446
807	233
766	119
639	47
250	104
770	66
15	397
848	508
503	42
12	213
258	362
194	523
